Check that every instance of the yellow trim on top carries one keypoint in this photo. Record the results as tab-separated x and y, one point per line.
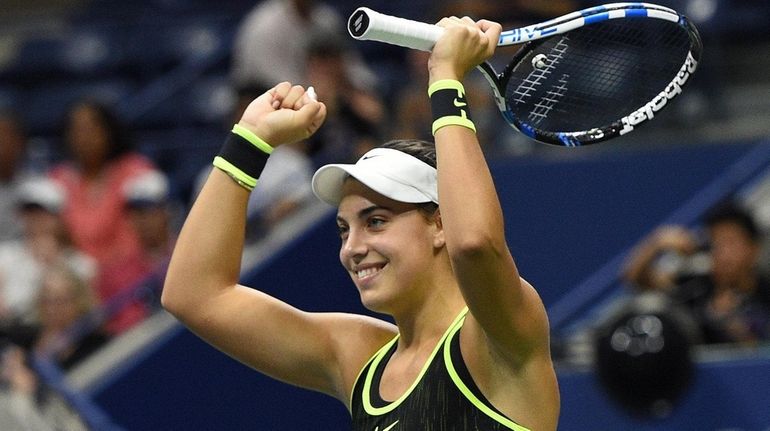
243	179
453	120
447	84
254	139
467	392
367	402
361	371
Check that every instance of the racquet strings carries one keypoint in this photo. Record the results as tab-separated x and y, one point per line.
592	76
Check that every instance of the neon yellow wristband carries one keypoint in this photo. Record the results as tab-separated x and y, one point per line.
449	105
241	178
452	120
446	84
251	137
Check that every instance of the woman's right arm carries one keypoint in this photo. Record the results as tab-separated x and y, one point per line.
202	290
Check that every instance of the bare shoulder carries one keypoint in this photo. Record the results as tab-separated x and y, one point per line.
356	338
521	383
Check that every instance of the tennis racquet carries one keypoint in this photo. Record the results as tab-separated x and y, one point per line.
581	78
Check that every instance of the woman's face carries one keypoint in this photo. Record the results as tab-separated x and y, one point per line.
58	302
12	146
733	252
87	136
388	247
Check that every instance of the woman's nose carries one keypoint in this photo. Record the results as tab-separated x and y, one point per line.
355	245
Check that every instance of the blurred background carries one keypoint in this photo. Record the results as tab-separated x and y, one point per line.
651	252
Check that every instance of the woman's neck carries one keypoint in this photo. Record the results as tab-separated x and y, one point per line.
430	317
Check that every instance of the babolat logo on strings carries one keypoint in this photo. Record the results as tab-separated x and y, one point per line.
647	112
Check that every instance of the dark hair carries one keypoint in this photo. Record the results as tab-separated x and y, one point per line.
118	140
731	212
422	150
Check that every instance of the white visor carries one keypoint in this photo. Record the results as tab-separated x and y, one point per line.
389	172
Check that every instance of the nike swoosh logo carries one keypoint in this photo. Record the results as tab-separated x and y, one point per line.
458	104
367	158
388	428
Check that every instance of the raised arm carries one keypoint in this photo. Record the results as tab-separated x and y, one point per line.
202	289
506	308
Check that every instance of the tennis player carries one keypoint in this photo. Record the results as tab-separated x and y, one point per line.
422	238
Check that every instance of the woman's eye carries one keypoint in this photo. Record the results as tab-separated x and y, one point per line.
342	231
376	222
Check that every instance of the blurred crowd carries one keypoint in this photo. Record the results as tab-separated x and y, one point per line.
713	275
86	236
84	241
83	244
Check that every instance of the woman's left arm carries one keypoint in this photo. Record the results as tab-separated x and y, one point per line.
507	308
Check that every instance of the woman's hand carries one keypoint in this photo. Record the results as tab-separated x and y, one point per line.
464	45
284	114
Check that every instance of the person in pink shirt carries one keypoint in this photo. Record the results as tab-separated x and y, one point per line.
101	162
133	284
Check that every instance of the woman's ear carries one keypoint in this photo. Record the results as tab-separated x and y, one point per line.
439	240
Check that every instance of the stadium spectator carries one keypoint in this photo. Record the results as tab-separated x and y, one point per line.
25	403
45	243
412	116
268	48
66	328
61	333
355	115
26	400
128	287
13	144
731	302
655	264
728	297
283	192
101	162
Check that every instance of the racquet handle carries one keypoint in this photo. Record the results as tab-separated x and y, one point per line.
366	24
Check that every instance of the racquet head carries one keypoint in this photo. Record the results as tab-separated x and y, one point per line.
581	78
597	81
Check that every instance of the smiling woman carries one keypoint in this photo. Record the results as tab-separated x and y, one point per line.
470	347
377	231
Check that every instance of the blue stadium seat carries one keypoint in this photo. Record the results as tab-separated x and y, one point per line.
9	98
182	153
211	100
94	52
46	105
157	46
207	101
89	52
38	57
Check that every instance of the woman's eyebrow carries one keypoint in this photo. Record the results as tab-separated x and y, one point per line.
363	213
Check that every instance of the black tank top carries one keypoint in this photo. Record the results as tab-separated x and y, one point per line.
442	398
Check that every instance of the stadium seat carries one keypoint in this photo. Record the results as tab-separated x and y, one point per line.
206	101
182	153
9	98
47	104
93	52
38	57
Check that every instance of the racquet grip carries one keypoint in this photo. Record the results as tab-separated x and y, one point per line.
366	24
